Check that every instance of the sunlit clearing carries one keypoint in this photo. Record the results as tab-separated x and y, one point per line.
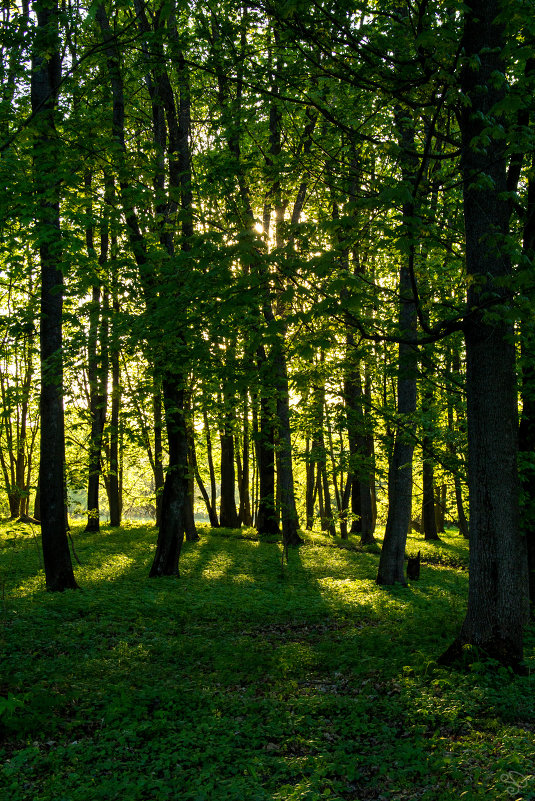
115	566
218	567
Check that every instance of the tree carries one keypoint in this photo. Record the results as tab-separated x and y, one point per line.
46	76
497	596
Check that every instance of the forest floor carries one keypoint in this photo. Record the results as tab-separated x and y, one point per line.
249	678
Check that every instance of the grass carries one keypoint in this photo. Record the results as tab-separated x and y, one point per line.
248	679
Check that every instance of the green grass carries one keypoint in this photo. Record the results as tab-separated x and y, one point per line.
249	680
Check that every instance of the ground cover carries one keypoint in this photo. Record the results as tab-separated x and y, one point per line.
249	678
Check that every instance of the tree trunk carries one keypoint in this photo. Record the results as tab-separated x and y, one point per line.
175	491
441	499
429	523
498	589
190	528
361	500
192	451
159	477
244	513
93	516
391	563
527	422
461	517
267	521
310	486
210	459
45	81
429	509
98	379
228	516
37	503
114	484
289	519
328	517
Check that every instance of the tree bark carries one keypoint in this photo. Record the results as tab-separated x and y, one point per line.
244	512
429	519
527	422
498	589
267	523
98	378
214	522
45	81
159	477
391	563
228	515
175	491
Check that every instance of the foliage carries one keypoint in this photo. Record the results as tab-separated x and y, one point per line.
235	682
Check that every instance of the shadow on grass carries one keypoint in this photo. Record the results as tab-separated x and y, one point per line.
247	678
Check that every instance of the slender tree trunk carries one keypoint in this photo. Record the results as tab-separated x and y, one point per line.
461	517
244	513
228	515
45	81
391	563
98	378
93	516
441	499
210	459
267	522
159	477
192	451
190	528
192	535
328	516
310	466
429	520
428	500
113	484
290	522
358	438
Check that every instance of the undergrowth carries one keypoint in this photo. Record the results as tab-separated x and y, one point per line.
250	678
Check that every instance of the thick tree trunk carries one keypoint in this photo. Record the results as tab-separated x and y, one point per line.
45	80
527	423
498	591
